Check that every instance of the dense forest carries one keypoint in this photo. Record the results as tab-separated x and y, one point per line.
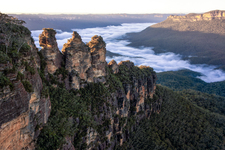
188	120
187	79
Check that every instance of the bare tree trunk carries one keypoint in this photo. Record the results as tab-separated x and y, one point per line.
18	50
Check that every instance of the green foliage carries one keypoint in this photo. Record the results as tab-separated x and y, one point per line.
213	103
20	76
45	91
64	104
113	81
62	71
186	79
4	81
29	68
181	124
25	48
4	58
28	87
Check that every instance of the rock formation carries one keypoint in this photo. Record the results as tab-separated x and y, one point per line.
121	96
85	63
23	109
113	65
50	49
216	14
98	51
77	60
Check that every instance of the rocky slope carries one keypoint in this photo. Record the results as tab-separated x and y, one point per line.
24	110
200	35
93	105
112	93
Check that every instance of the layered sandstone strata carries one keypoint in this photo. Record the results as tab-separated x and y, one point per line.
77	59
22	113
216	14
50	49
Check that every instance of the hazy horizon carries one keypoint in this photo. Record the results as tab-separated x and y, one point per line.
111	7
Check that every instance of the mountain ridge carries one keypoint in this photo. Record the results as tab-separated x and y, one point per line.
201	38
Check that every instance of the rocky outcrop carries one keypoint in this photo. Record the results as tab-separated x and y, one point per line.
113	65
77	59
23	109
85	63
50	50
216	14
98	51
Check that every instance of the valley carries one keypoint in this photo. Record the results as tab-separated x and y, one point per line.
89	89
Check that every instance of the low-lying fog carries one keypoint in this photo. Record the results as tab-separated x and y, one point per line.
140	56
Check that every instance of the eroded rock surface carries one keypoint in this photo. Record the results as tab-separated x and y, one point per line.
98	55
22	113
50	50
77	60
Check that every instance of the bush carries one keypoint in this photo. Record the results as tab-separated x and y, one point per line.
4	58
28	87
25	48
20	76
4	81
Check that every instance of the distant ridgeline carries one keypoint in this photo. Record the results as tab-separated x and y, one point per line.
75	100
186	79
66	22
198	37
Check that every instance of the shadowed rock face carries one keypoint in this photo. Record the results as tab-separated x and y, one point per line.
85	63
98	55
77	59
50	49
22	113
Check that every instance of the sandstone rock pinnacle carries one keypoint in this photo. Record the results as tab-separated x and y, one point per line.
98	54
50	49
77	59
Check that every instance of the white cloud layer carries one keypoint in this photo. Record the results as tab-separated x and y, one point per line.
140	56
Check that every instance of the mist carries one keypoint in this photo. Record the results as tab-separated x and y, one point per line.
112	35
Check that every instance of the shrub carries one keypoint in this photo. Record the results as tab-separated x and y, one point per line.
4	58
28	87
25	48
4	81
20	76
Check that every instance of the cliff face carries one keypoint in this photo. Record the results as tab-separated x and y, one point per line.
23	109
197	35
129	103
94	105
217	14
98	51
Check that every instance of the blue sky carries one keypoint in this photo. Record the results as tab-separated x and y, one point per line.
110	6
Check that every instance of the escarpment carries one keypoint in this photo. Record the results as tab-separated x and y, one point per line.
216	14
200	36
24	110
93	105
